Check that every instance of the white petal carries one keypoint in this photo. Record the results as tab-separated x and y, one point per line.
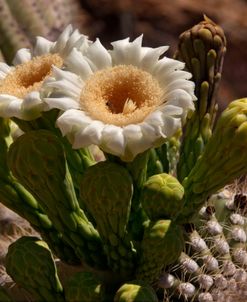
170	127
9	105
98	55
72	120
155	118
118	53
151	57
23	55
76	63
67	83
42	46
167	65
62	103
181	84
129	53
134	139
171	110
63	87
4	70
112	140
91	134
180	98
31	106
62	40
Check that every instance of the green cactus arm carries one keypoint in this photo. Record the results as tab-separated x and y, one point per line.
29	16
30	264
135	291
45	174
202	48
12	37
14	196
162	197
162	244
106	189
84	286
223	160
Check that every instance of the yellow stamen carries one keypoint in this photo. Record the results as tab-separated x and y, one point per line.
30	75
121	95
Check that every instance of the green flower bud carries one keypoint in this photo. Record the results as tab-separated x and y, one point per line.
222	161
162	196
135	291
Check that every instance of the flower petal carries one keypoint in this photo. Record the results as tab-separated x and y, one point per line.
91	134
23	55
42	46
151	57
76	63
4	70
112	140
72	120
98	55
62	103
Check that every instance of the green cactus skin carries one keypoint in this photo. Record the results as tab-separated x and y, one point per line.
135	291
4	296
106	190
162	197
45	174
202	48
84	286
213	264
162	244
30	264
222	161
14	196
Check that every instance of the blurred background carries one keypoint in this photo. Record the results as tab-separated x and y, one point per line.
161	22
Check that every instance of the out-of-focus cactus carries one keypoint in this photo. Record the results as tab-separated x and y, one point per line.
129	224
4	296
22	21
202	48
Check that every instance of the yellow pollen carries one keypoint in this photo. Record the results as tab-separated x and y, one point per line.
121	95
29	76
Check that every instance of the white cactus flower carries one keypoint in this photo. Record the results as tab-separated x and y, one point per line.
21	85
125	100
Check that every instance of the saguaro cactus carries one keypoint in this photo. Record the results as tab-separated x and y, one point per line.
134	232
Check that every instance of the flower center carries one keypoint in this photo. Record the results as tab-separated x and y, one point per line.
120	95
30	75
